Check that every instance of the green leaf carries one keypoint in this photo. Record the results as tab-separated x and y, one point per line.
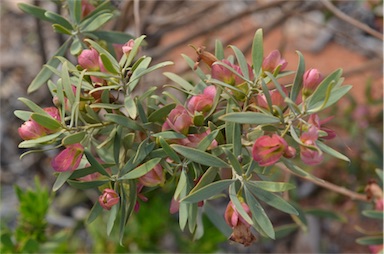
326	214
205	179
271	199
299	171
46	121
23	115
74	8
161	114
219	50
374	214
298	81
168	150
257	51
73	138
132	54
236	202
94	213
59	20
112	217
95	22
113	36
207	141
179	80
249	118
259	216
199	156
207	191
234	162
319	94
108	64
86	185
34	11
169	135
33	106
60	29
92	160
39	141
335	95
370	240
141	170
272	186
124	121
61	179
130	105
241	61
332	152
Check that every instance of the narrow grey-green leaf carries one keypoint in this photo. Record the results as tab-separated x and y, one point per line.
46	121
208	191
92	160
298	81
179	80
331	151
200	156
259	215
73	138
238	205
370	240
112	217
272	186
45	73
374	214
168	150
86	185
61	179
249	118
257	51
95	22
141	170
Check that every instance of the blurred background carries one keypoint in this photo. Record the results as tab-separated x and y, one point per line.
331	35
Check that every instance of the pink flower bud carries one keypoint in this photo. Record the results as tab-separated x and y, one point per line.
178	120
202	102
108	199
31	130
273	61
68	159
310	155
232	216
89	59
54	112
268	150
311	79
315	121
375	193
193	140
128	46
154	177
290	152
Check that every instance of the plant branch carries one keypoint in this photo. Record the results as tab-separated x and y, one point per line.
339	189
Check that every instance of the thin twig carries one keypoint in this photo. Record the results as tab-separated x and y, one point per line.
353	195
341	15
136	15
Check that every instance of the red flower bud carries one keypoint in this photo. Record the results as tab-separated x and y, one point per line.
268	150
311	79
178	120
31	130
89	59
128	46
154	177
273	61
68	159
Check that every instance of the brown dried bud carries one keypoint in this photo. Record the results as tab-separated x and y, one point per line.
204	56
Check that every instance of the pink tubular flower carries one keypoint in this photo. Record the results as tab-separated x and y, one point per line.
68	159
154	177
241	229
315	121
311	79
128	46
273	61
221	73
31	130
310	156
268	150
202	102
178	120
108	199
89	59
